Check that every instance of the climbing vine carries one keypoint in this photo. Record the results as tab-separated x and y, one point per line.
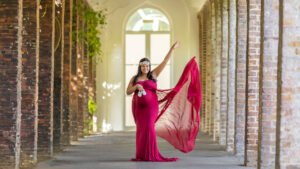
94	21
88	25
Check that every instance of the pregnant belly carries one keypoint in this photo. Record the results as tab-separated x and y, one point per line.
148	100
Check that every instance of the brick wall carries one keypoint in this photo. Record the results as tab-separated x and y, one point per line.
8	78
263	51
35	68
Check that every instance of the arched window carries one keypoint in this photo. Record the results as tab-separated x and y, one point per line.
148	19
147	35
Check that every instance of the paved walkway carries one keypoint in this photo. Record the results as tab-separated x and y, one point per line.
113	151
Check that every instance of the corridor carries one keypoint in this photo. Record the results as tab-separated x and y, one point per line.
113	151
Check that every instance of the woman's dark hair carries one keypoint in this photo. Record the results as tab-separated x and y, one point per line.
139	72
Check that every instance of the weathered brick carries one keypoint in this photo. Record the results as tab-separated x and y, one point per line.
42	123
231	76
8	78
241	78
289	128
45	135
67	34
29	82
224	72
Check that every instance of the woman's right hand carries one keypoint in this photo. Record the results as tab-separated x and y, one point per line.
139	87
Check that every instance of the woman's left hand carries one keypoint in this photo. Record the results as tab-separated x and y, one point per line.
175	45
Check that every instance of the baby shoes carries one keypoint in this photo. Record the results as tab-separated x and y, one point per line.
141	93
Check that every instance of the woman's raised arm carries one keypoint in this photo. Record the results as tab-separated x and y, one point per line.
162	65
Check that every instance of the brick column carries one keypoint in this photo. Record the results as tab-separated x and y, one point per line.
241	78
58	50
202	51
86	59
231	76
80	76
205	96
269	86
73	77
218	72
8	77
217	33
45	124
213	54
290	77
224	72
67	38
204	73
29	84
253	74
210	38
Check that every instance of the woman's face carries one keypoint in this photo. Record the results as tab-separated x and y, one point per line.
145	68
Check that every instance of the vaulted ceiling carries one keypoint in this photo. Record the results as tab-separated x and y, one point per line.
192	4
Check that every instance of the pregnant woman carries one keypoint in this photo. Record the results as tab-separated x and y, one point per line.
172	114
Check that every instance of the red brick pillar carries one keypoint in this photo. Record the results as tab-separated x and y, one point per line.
8	86
202	51
85	84
203	54
73	77
241	78
217	34
213	51
224	72
29	84
267	144
80	93
289	75
80	75
66	65
204	73
58	50
45	123
253	87
216	58
231	76
210	122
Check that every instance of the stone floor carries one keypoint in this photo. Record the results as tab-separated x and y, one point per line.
114	151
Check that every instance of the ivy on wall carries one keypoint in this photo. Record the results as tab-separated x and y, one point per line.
89	34
94	21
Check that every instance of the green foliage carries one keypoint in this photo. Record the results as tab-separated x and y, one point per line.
92	107
91	34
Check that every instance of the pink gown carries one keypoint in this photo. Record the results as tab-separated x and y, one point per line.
172	114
